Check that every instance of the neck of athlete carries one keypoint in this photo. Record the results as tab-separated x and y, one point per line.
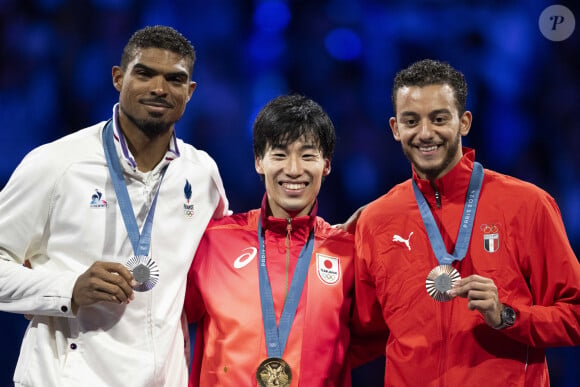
147	151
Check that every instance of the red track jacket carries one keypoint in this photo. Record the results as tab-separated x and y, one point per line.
223	292
518	240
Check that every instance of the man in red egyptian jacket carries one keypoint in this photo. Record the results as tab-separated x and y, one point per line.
470	269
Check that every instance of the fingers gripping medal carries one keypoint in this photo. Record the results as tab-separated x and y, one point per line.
440	280
145	272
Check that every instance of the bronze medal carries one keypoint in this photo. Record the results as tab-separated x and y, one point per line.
440	280
274	372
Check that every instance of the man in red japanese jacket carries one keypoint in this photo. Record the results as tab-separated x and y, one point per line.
272	289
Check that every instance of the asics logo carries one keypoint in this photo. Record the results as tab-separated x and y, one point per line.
397	238
245	258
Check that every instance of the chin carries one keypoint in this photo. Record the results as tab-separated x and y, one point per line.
429	172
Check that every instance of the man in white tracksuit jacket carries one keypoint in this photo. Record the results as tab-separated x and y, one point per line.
94	322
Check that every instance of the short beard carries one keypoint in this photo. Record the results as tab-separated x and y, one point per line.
150	127
432	173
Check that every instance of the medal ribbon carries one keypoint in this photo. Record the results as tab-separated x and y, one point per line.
139	241
466	226
276	336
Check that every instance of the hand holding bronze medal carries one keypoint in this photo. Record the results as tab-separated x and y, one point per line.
442	278
143	267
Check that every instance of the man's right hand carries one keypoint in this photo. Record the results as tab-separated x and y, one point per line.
103	281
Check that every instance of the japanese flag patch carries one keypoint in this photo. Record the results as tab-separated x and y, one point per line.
328	269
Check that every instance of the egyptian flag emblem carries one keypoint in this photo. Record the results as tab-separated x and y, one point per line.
490	238
328	269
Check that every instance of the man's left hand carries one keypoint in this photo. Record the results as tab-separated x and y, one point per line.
481	294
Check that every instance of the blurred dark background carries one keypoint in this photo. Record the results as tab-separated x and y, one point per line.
55	78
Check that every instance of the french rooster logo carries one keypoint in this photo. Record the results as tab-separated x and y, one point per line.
97	200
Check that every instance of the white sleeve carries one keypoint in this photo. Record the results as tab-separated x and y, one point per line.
24	212
222	208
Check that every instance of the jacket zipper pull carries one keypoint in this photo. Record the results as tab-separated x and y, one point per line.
437	195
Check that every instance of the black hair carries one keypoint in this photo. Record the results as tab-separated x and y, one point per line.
288	118
162	37
431	72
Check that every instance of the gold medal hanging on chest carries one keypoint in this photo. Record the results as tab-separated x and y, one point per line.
274	372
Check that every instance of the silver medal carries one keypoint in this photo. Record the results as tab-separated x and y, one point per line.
145	272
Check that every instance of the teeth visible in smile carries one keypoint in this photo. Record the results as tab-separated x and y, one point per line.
428	148
294	186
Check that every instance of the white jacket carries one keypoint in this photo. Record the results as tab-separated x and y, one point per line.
60	212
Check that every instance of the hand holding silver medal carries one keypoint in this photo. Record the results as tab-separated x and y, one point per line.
142	266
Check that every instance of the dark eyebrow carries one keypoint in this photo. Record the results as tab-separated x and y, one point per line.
303	148
139	66
308	147
439	111
153	71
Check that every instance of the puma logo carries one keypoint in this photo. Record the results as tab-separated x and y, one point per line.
397	238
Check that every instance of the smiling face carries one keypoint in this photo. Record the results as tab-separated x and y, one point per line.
429	128
154	90
293	176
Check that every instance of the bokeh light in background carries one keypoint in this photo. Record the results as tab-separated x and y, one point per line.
55	78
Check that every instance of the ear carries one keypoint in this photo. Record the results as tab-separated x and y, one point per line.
192	86
327	168
117	74
258	165
394	128
465	123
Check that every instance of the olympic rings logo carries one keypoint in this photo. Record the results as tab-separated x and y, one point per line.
489	229
188	210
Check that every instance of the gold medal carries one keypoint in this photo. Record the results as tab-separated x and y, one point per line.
440	280
274	372
145	272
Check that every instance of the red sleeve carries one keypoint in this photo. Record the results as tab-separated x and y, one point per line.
369	331
194	305
549	262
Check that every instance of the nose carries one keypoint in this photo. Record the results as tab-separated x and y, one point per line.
158	85
425	129
293	166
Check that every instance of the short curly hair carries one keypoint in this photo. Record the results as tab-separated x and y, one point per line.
163	37
431	72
